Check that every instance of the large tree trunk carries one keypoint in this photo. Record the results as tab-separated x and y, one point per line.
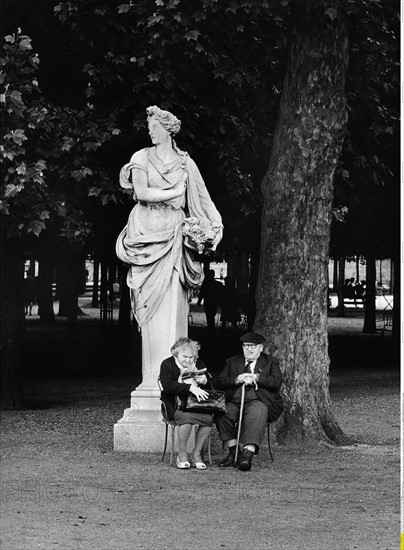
96	278
369	325
70	282
45	279
340	287
63	280
12	328
395	290
298	190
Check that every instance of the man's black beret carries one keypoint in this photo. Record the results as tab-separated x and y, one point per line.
252	338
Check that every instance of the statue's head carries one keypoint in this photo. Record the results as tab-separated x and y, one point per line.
170	122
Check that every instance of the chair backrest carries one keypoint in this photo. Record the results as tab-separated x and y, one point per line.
164	412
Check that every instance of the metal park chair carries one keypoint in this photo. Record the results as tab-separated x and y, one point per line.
170	427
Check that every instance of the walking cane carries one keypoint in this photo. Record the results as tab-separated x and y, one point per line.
240	418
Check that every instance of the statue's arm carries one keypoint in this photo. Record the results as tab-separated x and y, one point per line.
147	194
139	180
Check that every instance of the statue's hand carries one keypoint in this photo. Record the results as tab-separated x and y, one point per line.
180	187
217	238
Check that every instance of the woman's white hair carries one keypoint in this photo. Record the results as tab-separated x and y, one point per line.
185	343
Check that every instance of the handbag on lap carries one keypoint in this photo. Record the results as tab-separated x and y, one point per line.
215	403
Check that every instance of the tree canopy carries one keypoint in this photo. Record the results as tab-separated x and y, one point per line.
220	67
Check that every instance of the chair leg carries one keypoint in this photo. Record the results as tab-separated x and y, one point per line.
207	445
269	443
165	443
172	445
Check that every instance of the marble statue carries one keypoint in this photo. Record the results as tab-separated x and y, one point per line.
173	219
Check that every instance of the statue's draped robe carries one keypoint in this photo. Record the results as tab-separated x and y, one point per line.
162	267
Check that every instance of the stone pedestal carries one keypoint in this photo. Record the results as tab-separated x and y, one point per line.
141	428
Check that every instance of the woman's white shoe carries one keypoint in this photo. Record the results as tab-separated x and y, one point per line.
183	465
198	465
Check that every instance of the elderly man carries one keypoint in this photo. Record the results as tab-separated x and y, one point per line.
262	378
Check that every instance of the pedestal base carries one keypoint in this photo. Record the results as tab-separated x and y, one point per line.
143	436
141	429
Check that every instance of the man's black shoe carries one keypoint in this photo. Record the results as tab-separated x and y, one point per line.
230	458
244	462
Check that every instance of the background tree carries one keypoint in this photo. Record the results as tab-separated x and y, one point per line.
45	159
367	179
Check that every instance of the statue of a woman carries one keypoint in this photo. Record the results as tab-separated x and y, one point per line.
169	190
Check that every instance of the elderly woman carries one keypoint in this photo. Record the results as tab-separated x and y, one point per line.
168	188
177	380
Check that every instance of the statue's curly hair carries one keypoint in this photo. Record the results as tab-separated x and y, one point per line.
170	122
185	342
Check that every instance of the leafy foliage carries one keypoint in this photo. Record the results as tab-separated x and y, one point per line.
46	153
366	181
216	66
219	66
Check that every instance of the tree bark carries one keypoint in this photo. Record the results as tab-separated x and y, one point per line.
70	282
297	191
395	290
63	277
74	270
335	275
45	279
104	282
96	277
12	328
340	287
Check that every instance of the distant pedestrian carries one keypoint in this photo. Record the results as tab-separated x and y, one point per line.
211	294
360	289
29	293
349	291
230	311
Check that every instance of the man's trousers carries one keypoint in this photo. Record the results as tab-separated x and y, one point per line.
255	415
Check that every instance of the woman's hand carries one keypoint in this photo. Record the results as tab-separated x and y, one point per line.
201	379
199	393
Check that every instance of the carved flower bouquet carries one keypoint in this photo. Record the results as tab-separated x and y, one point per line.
199	233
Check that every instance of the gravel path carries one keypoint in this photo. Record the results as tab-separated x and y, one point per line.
63	487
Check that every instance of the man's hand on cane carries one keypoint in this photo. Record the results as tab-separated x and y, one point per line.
248	379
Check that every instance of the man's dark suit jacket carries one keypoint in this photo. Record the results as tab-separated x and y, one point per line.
269	381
